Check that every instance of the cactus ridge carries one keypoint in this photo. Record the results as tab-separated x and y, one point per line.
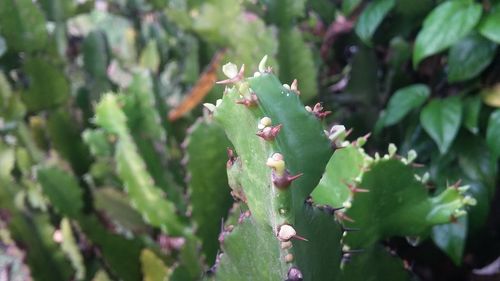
382	197
282	152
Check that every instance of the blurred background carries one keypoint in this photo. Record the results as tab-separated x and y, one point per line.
423	75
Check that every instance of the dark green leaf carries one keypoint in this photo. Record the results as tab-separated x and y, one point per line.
284	12
377	264
23	25
441	120
348	6
451	238
95	54
48	85
65	137
371	17
472	107
62	189
405	100
493	132
469	57
3	46
490	25
444	26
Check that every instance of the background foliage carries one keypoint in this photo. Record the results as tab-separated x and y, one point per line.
424	75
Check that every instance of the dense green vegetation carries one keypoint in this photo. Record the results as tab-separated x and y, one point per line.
345	140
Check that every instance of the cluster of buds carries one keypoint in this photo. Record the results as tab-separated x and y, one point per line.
318	111
266	130
281	177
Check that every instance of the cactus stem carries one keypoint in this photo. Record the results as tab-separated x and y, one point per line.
294	274
269	133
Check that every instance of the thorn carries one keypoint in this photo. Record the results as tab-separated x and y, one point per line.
294	87
231	158
341	216
284	181
355	251
355	189
349	229
331	210
300	238
287	232
349	132
457	184
269	133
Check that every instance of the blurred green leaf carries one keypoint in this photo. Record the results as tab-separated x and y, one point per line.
469	57
58	10
444	26
371	17
403	101
65	137
451	238
23	25
62	189
490	25
150	58
3	46
95	54
348	6
441	120
70	247
116	207
48	85
284	12
493	132
472	107
153	268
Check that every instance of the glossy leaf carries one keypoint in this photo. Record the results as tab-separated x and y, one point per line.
451	238
472	108
372	17
444	26
403	101
490	25
441	120
469	57
493	133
